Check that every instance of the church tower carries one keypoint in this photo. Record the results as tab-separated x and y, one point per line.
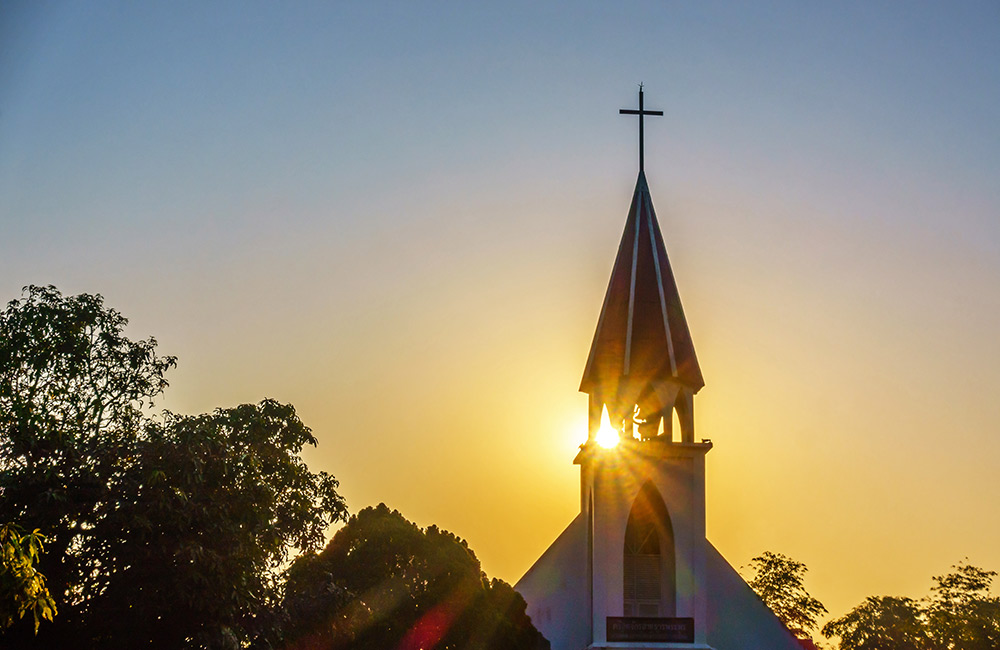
644	499
634	568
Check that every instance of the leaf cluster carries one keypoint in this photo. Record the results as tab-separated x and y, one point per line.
22	587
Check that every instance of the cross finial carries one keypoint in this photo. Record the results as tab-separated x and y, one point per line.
641	112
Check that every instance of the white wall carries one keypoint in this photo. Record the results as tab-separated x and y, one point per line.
737	618
557	591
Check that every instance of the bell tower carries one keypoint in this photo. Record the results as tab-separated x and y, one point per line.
644	498
634	569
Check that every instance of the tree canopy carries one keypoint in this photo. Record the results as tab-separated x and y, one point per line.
162	531
778	580
880	623
383	582
960	614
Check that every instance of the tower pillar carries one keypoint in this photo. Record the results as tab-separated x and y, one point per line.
613	482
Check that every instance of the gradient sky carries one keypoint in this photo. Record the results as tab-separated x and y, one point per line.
401	218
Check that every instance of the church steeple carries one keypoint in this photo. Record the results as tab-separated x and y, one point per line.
634	568
642	363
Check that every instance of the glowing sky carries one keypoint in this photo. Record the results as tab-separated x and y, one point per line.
401	217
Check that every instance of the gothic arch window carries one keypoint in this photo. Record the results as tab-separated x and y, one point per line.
648	558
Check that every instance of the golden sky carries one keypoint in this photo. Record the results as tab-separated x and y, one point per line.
402	219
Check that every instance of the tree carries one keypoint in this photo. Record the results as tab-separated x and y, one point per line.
778	581
215	503
164	532
73	390
22	587
960	613
382	582
881	623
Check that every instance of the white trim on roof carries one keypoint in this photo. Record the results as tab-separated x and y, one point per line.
631	289
659	285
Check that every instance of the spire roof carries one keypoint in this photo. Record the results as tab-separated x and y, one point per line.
642	335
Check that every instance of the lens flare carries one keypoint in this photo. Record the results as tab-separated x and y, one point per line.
607	437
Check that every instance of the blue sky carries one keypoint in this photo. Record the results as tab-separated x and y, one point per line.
400	217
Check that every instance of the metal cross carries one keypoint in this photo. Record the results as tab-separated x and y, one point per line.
640	113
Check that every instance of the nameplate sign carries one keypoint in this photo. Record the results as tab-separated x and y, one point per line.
635	628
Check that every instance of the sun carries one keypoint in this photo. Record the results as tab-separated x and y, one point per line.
607	437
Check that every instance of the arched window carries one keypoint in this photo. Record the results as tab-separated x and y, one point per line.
649	565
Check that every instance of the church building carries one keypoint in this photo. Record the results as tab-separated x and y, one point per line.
634	569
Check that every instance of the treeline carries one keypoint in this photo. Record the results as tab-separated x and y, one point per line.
960	613
123	529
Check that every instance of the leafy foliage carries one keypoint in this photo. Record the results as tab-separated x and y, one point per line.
960	614
778	581
162	533
881	623
383	582
215	504
72	395
22	587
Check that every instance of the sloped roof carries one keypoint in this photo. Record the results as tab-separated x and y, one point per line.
555	589
642	334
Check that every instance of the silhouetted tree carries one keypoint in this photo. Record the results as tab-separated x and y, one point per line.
778	581
881	623
162	533
383	582
961	613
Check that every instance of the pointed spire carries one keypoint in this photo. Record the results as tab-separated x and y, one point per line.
642	343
